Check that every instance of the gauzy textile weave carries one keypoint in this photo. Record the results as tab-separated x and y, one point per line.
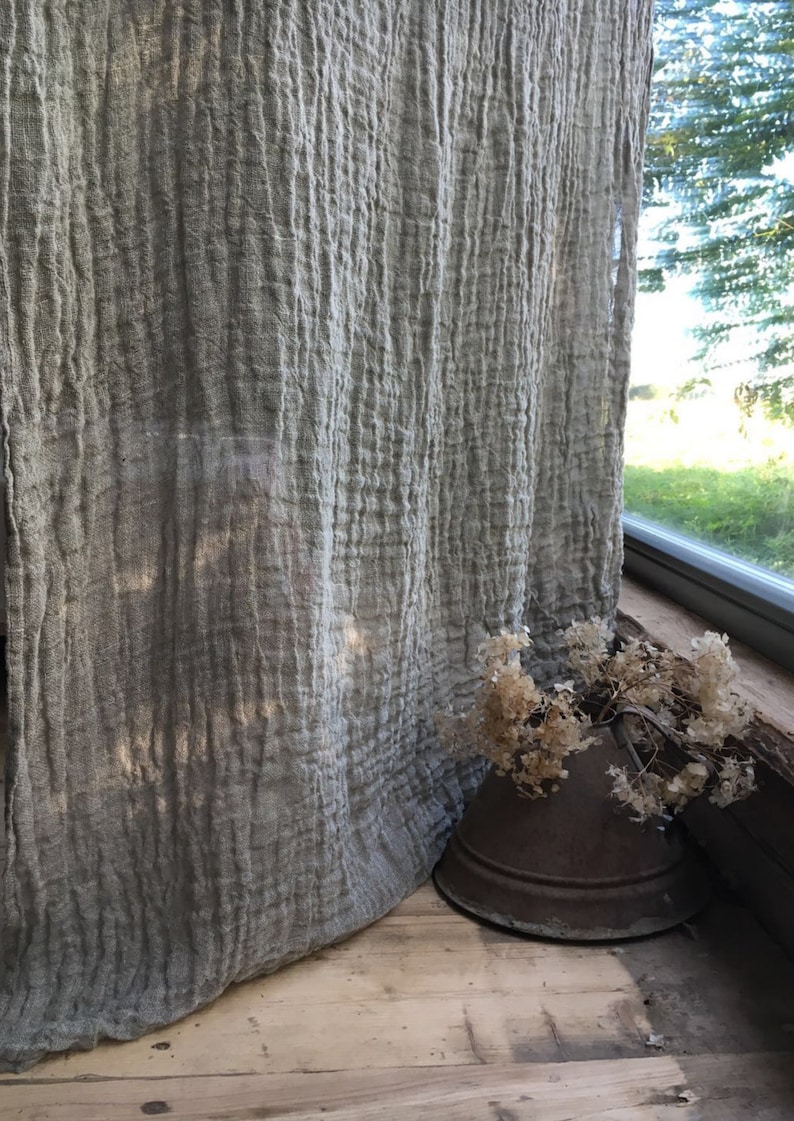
314	350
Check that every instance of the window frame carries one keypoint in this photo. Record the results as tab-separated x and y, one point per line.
752	604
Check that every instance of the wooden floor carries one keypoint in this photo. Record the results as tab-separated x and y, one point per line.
428	1016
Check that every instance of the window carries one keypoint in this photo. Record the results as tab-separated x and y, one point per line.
709	479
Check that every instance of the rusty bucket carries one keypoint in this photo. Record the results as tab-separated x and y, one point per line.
571	866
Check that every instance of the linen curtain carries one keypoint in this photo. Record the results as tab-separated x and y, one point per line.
314	349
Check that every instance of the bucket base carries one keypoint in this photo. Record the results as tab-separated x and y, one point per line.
600	913
571	866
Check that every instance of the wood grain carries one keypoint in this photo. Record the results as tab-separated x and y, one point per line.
665	1088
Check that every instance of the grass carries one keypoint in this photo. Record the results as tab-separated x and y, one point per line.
709	476
749	512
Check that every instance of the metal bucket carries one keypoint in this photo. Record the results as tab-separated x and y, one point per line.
571	866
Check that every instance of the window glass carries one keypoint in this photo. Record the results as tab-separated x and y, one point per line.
710	433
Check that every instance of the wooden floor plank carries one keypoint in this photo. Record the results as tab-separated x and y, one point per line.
704	1088
424	901
345	978
243	1035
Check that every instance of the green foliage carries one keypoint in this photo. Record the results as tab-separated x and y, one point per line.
688	391
692	387
777	398
722	114
749	512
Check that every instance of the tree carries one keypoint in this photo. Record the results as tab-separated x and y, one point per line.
722	119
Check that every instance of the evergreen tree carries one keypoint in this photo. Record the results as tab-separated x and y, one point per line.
722	118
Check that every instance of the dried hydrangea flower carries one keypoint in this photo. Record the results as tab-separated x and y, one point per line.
588	643
685	785
641	793
735	780
528	732
643	674
722	712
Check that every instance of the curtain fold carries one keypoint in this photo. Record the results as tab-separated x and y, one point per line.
314	349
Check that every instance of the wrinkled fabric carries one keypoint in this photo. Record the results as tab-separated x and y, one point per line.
314	351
